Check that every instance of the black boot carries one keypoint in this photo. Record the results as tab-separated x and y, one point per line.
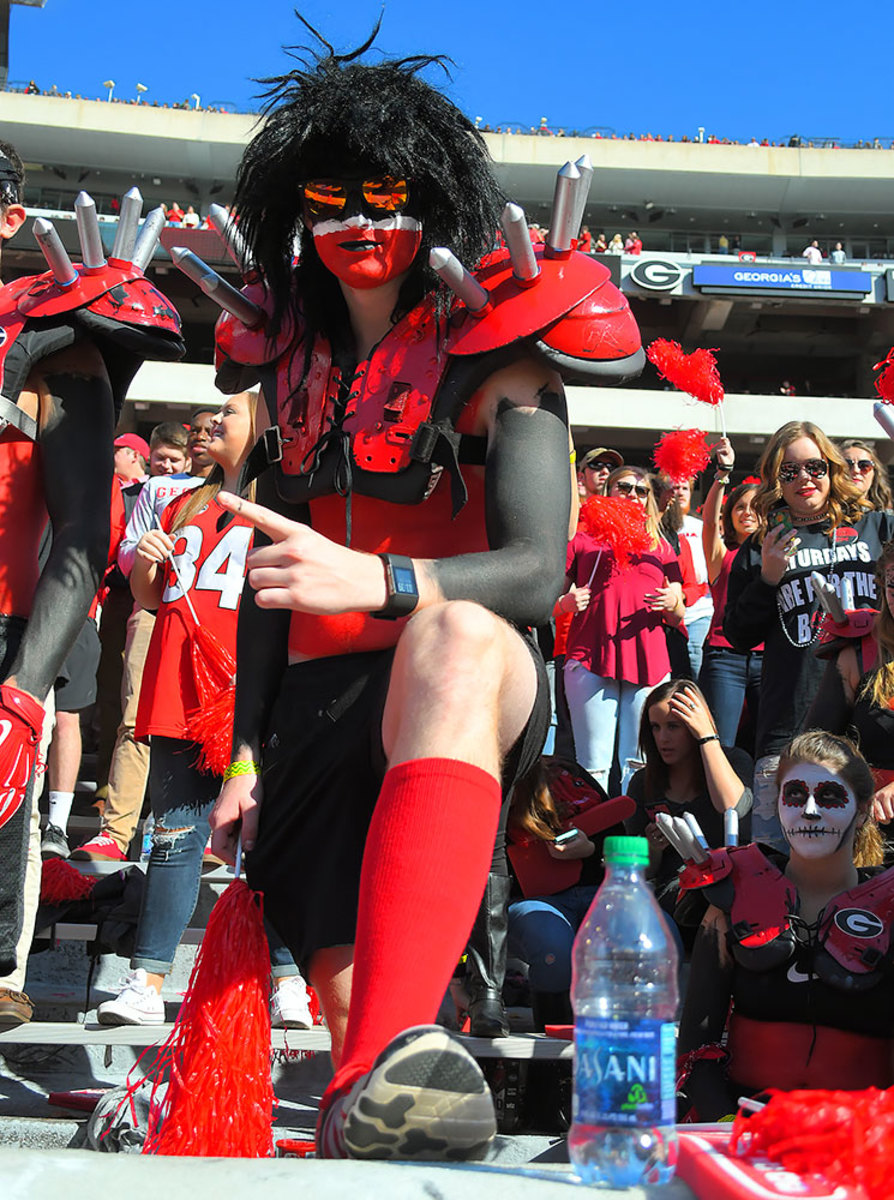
486	961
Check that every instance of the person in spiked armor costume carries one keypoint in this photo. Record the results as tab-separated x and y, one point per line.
71	340
416	510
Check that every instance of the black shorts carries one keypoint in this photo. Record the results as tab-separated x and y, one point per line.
322	770
77	688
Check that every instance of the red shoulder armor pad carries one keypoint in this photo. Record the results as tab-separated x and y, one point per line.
119	292
835	635
237	343
716	866
579	318
763	899
856	933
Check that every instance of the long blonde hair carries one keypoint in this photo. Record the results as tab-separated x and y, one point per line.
879	494
653	517
845	501
839	754
879	686
202	495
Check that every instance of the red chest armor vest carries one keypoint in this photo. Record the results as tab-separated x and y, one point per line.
854	938
395	423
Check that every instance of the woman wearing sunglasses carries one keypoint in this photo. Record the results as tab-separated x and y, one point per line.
617	651
867	473
812	519
800	945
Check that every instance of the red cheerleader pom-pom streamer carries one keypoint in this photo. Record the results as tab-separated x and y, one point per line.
884	384
211	724
694	373
617	523
219	1101
61	881
845	1137
681	454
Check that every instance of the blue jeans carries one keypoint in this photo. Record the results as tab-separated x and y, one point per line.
182	799
728	679
697	631
542	931
605	713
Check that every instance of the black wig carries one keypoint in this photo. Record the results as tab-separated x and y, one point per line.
335	117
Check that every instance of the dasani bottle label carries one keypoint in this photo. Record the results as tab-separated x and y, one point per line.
624	1072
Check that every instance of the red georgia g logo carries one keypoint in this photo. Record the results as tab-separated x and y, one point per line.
12	785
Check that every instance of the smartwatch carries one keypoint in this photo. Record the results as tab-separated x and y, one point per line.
403	594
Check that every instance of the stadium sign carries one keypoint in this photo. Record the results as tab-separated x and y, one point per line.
780	277
657	274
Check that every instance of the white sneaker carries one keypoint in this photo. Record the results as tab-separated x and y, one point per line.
290	1008
138	1003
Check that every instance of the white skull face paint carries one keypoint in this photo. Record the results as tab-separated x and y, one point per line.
816	810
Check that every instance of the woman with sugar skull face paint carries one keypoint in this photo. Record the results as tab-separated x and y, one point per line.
801	946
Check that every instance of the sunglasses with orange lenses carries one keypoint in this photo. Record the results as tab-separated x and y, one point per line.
328	198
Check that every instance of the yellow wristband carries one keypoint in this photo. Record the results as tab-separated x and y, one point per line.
241	768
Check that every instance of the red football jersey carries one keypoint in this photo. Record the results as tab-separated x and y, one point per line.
211	567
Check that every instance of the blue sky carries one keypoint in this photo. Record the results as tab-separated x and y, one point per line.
765	67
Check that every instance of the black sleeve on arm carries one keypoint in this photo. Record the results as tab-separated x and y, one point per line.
830	709
262	646
76	446
703	1021
527	497
750	603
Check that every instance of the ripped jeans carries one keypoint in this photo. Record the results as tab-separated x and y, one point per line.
182	799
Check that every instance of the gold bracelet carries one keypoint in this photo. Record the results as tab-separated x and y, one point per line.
241	768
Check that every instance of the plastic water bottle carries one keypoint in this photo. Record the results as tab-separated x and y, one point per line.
146	844
624	993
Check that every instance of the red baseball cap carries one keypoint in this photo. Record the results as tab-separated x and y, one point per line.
134	442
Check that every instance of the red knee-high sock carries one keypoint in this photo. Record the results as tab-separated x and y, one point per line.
425	864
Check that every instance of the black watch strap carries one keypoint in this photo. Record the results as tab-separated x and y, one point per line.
403	594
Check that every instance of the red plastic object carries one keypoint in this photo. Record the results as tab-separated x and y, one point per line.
695	373
681	454
295	1148
121	293
884	384
564	1033
714	1172
61	881
618	523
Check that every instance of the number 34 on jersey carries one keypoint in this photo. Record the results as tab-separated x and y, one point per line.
208	563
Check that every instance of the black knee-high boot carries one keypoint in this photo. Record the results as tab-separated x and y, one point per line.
486	961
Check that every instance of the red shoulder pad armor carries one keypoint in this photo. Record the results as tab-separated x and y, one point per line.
856	932
716	866
835	635
121	293
251	346
575	311
763	899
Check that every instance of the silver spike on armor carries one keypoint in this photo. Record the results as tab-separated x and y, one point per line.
447	266
828	597
128	220
147	238
92	254
525	267
216	288
730	828
54	252
585	167
884	414
233	239
561	222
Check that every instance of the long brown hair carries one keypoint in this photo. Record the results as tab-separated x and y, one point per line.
839	754
879	494
845	501
728	529
653	517
879	687
202	495
657	773
533	809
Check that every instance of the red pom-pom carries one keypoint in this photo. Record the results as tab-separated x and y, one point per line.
219	1101
211	724
884	385
752	479
617	523
695	373
681	454
61	881
845	1137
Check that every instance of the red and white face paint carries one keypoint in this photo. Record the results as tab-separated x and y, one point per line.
365	253
817	810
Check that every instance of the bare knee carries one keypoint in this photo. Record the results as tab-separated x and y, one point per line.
457	631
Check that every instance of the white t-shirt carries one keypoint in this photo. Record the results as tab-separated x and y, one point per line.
691	530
